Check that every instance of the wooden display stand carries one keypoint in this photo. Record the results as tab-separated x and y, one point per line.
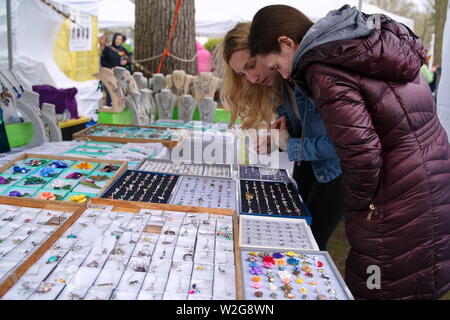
167	143
77	211
25	202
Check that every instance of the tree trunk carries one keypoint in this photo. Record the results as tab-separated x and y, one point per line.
154	19
441	15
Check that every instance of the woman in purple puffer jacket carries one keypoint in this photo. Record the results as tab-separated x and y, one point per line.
395	155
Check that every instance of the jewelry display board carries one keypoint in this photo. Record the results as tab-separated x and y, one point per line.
181	168
275	233
293	275
142	186
128	254
272	199
206	192
264	174
58	178
129	133
27	231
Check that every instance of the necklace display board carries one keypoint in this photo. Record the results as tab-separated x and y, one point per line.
181	168
293	275
134	134
205	85
207	107
278	199
57	178
265	174
186	107
106	76
27	231
158	82
141	81
275	233
179	83
129	253
165	103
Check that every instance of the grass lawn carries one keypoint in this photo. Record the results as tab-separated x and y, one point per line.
338	248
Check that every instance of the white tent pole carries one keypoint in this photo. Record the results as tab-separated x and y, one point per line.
9	32
360	5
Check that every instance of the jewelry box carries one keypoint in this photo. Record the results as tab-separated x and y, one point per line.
115	260
206	192
293	275
133	134
264	174
181	168
55	178
267	198
142	187
275	233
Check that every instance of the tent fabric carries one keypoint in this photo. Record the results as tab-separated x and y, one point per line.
215	18
116	14
443	99
86	6
35	28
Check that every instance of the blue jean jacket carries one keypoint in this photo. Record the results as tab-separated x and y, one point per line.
309	139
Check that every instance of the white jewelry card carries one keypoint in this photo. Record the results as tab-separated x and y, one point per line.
96	293
120	294
154	282
148	295
131	281
71	293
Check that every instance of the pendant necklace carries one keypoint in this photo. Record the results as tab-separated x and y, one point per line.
166	110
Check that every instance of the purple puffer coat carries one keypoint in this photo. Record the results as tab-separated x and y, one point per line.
381	117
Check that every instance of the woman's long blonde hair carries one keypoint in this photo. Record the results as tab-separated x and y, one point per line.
254	104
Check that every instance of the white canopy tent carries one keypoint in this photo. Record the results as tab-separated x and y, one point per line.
35	28
215	18
443	100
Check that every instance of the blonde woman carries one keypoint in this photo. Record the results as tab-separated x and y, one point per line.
253	92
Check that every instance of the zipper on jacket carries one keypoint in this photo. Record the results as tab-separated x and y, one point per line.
373	212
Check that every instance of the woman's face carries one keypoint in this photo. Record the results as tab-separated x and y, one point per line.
244	64
280	62
118	41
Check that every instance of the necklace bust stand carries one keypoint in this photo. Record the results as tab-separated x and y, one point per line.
49	116
207	107
179	82
132	94
186	108
127	82
158	83
205	85
165	103
148	107
28	106
142	82
115	91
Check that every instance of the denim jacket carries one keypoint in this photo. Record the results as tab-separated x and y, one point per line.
309	139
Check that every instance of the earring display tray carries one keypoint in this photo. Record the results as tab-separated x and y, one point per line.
131	133
206	192
293	275
54	178
265	174
271	199
22	231
275	233
209	170
148	254
143	187
27	231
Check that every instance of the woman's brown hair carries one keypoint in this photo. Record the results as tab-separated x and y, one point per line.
272	22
